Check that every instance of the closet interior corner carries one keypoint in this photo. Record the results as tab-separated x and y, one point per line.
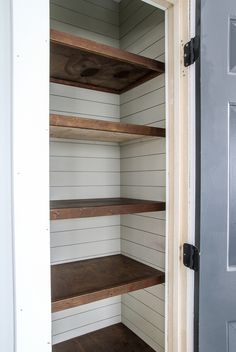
107	176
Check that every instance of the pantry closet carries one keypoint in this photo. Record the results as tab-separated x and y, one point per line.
107	175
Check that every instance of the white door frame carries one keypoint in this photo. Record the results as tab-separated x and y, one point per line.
180	111
30	184
6	246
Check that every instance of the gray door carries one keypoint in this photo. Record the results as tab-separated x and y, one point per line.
217	280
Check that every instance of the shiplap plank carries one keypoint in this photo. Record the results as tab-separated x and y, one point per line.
84	223
85	150
151	301
147	117
143	89
106	4
153	51
148	255
60	179
83	318
144	163
154	215
142	28
85	22
82	251
150	193
136	16
143	223
84	192
58	163
128	10
154	146
143	103
148	313
87	235
68	28
161	124
93	10
61	314
143	238
158	291
81	93
83	107
161	58
78	324
146	178
149	38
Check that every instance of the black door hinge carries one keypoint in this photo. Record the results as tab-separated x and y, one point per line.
191	256
191	51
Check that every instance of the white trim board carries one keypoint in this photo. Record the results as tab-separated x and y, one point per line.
30	152
180	169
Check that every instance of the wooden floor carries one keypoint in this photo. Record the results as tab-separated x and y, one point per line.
115	338
80	208
86	281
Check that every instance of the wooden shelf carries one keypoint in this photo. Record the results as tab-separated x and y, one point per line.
84	63
114	338
83	208
73	127
86	281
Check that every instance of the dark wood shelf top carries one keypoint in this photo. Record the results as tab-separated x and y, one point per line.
84	63
82	208
74	127
86	281
114	338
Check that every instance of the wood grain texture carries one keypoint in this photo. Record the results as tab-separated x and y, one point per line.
73	127
80	208
90	280
115	338
84	63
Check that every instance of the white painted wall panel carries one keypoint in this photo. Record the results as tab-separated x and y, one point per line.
143	173
91	10
150	38
72	164
128	8
84	192
81	320
86	22
83	107
142	28
142	163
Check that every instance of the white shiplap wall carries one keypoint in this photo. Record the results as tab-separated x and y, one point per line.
143	171
83	169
